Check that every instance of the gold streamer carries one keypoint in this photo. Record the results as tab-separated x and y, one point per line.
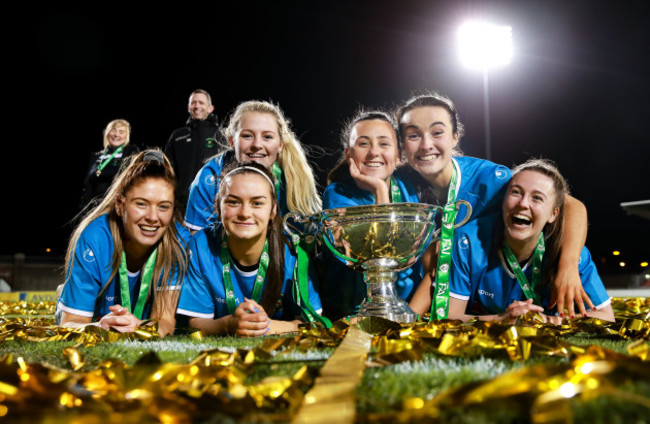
332	399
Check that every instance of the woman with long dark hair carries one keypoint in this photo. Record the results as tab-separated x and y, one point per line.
242	278
430	129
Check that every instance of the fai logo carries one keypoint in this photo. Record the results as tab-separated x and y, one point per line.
463	243
501	173
89	256
210	180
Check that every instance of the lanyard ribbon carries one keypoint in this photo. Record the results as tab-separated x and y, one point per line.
145	283
440	300
395	193
300	288
102	165
277	173
528	289
227	280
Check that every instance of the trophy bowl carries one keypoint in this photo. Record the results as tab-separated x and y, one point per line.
379	240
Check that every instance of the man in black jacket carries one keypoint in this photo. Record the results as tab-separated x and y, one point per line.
189	147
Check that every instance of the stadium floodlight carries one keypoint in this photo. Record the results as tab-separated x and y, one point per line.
484	46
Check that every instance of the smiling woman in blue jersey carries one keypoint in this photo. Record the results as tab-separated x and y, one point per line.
364	176
242	277
504	267
257	131
430	130
125	257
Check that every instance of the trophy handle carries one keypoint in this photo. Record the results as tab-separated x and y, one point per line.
464	220
288	228
469	212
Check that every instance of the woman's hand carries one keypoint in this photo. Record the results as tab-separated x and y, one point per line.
119	319
567	289
249	319
376	186
519	308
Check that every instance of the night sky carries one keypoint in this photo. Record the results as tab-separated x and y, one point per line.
577	91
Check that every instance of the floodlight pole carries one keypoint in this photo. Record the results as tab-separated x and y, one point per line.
486	110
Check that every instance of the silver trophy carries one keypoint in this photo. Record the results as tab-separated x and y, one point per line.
379	240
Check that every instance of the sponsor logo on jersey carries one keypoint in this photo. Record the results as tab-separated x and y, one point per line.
486	293
463	243
89	255
210	180
501	173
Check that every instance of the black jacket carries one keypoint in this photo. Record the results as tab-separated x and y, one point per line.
96	186
188	148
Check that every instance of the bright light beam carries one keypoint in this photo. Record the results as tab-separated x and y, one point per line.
484	46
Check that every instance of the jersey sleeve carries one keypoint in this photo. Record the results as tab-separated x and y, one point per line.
591	281
195	299
335	195
83	282
203	190
493	181
460	284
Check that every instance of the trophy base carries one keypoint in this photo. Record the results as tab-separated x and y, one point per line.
389	307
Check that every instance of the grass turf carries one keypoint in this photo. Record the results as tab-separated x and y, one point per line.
383	390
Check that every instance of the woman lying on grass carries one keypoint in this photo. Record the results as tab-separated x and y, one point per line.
126	255
504	266
240	278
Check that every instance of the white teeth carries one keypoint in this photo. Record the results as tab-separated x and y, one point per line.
148	228
253	155
522	217
373	164
427	157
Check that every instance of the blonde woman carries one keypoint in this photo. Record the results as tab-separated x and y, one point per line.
257	131
105	164
126	258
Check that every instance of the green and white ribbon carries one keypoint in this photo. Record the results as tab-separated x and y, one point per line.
102	165
227	279
145	283
530	290
300	289
440	300
395	193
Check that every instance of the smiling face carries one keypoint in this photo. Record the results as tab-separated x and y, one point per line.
429	140
117	135
146	211
247	206
257	139
373	146
529	204
199	106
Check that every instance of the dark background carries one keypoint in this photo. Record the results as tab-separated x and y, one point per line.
577	91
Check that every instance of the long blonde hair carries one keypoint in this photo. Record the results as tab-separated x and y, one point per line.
117	123
302	196
171	260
